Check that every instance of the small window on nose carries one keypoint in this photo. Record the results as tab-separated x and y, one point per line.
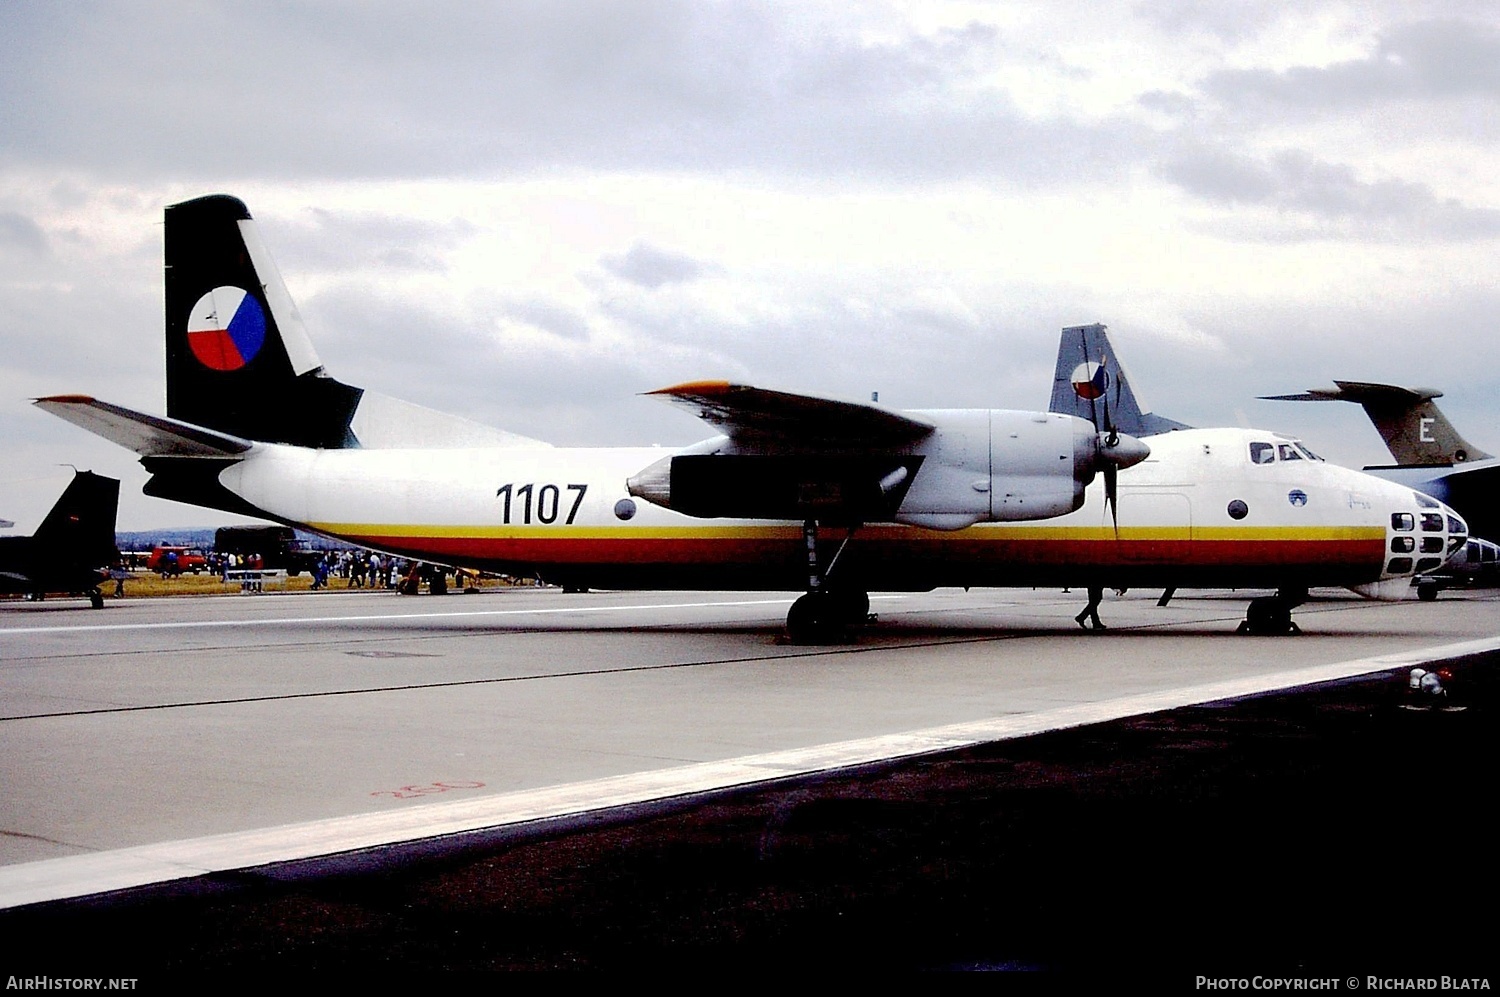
1403	521
1432	522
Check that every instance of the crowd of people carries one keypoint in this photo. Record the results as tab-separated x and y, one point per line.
359	569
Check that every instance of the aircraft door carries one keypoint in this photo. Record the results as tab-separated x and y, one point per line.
1155	526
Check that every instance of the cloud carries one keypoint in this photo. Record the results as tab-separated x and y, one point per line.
1317	199
1424	60
19	234
649	267
321	91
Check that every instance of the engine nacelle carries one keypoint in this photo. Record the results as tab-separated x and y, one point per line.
977	465
998	465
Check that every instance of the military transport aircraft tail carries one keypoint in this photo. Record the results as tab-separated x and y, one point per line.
1414	429
1090	382
240	361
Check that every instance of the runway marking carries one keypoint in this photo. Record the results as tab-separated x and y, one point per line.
412	792
200	624
82	875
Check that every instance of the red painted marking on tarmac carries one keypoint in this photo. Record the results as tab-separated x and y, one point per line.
431	789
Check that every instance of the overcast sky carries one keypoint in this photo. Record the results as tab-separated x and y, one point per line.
528	213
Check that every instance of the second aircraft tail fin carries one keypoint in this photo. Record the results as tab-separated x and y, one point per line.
1414	429
1090	382
80	529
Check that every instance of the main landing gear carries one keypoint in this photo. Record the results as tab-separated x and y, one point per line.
1271	615
825	614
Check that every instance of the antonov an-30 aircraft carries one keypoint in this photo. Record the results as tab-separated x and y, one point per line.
799	492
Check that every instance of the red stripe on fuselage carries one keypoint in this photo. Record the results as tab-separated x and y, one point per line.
749	551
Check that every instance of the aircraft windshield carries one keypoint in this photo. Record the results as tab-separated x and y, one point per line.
1289	452
1306	452
1262	453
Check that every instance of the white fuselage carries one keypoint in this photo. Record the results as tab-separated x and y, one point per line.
565	514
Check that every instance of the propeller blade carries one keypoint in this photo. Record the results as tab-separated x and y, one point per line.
1111	496
1115	450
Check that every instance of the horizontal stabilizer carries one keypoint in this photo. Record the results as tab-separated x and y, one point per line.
1359	392
796	420
147	435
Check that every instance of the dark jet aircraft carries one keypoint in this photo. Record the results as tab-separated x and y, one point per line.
70	549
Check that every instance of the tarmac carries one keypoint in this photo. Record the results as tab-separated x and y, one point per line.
612	778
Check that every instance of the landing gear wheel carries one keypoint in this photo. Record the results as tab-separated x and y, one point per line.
852	608
1269	616
1427	593
96	599
815	619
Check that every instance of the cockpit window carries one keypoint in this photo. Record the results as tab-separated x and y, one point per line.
1425	501
1432	522
1262	453
1403	521
1289	452
1306	452
1456	526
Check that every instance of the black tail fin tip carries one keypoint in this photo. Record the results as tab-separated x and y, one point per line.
81	525
238	358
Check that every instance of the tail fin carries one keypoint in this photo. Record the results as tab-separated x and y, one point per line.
238	358
80	529
1415	431
1090	381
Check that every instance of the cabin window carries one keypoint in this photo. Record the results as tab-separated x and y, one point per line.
1403	545
1262	453
1403	521
1472	553
1489	554
1289	452
1432	522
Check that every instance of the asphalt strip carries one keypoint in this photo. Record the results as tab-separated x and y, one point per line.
102	872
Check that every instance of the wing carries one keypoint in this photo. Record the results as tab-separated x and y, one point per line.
790	456
755	417
147	435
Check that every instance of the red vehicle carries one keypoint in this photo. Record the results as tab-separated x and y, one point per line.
168	560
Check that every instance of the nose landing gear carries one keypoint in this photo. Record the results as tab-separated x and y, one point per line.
1271	615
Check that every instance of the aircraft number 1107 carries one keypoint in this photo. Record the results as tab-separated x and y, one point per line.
520	507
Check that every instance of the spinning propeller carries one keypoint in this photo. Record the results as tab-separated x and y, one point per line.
1113	450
